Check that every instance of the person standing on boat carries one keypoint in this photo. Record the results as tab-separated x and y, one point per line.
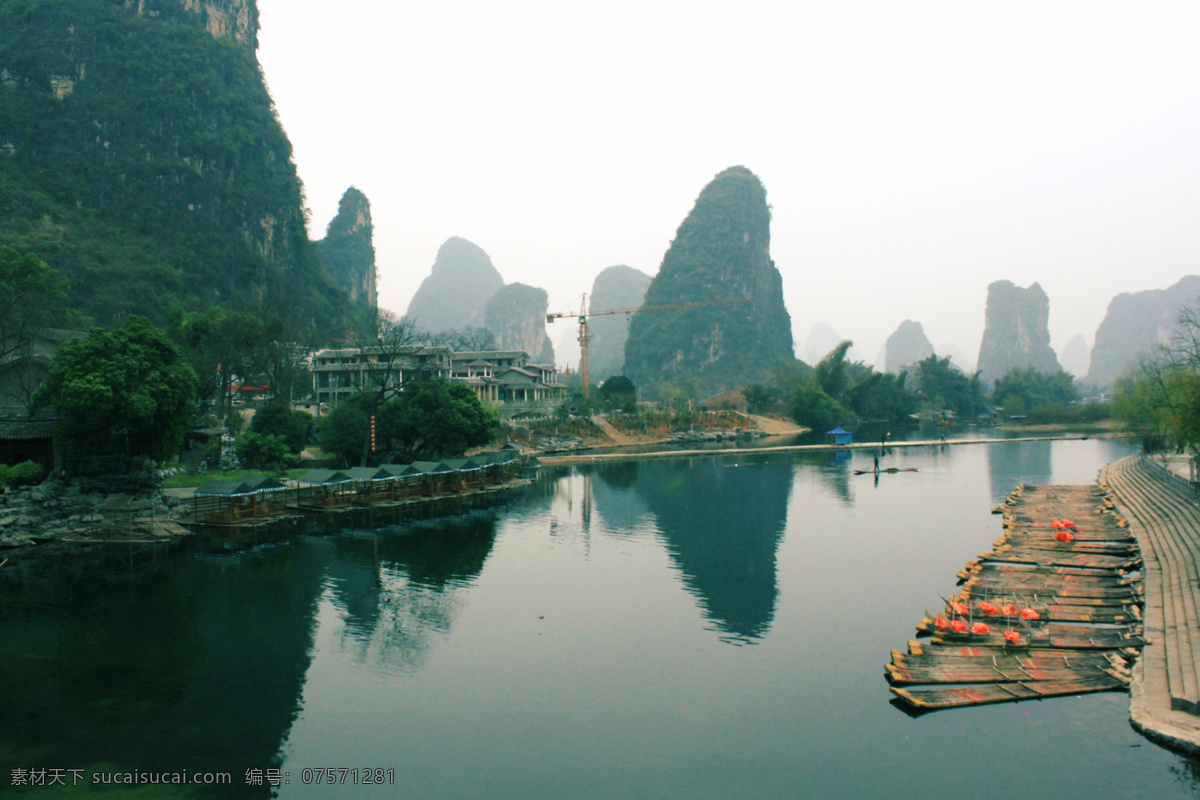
877	464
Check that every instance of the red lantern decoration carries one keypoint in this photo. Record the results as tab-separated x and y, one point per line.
940	623
1056	524
958	626
1012	636
1066	523
1029	613
1008	610
1063	536
959	608
988	608
979	627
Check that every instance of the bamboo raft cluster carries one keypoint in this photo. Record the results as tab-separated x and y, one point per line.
1055	608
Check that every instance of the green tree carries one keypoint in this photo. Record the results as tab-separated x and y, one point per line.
618	394
268	452
882	396
342	431
812	407
31	297
435	419
943	386
759	397
1030	390
280	420
224	347
832	371
1159	403
126	391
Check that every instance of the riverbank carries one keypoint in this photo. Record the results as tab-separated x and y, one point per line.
59	510
1165	518
557	460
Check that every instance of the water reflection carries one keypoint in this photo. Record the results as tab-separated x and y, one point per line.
1018	462
722	521
196	667
397	587
829	468
622	510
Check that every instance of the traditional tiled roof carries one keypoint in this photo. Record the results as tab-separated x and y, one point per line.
23	428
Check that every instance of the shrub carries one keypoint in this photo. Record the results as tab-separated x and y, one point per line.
23	474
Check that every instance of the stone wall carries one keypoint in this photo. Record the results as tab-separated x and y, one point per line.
55	509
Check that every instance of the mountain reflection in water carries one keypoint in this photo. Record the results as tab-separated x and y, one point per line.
722	523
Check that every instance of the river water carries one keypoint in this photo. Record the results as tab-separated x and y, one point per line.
695	628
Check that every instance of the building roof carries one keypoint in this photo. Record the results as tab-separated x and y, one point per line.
223	489
401	470
323	476
488	355
17	425
370	473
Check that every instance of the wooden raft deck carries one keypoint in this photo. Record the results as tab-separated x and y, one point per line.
1165	517
1059	617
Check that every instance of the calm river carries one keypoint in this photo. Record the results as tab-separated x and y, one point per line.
696	628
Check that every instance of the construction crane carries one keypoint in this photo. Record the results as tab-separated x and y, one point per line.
583	323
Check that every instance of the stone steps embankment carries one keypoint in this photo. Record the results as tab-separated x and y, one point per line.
1166	696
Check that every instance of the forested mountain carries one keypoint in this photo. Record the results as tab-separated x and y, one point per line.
457	289
721	252
141	157
348	250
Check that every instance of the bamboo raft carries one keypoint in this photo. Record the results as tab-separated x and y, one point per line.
977	657
932	699
1053	609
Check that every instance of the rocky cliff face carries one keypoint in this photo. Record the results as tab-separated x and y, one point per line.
233	19
721	252
1017	332
456	293
140	156
516	314
615	287
348	250
1134	324
906	346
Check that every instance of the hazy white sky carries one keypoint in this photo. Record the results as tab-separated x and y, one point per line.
912	152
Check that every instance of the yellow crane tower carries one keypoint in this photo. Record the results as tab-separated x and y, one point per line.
583	324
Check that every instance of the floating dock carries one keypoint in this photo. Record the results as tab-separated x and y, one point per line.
1055	608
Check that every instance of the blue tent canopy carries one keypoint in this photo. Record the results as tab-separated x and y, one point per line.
840	435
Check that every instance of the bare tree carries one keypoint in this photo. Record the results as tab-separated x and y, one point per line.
465	339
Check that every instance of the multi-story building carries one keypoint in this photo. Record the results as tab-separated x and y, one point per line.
502	378
340	373
507	379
